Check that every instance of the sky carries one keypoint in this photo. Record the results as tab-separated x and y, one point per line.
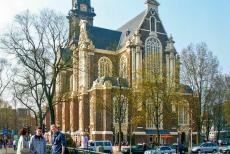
189	21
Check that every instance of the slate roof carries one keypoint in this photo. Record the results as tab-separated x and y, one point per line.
114	39
104	38
184	89
66	55
130	26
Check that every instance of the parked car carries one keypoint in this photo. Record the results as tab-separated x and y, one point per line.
175	146
225	148
137	149
105	144
206	147
161	150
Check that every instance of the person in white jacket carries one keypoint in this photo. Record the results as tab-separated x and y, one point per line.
38	142
23	144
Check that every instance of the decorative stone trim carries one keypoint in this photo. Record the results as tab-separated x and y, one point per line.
139	133
102	132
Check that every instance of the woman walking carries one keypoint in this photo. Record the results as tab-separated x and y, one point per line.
23	144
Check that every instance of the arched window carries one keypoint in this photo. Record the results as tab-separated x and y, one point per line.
71	83
153	55
123	67
154	115
120	109
105	67
149	111
152	24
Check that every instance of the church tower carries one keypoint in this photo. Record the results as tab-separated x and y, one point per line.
81	9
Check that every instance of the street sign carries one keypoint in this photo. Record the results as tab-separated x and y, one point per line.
4	132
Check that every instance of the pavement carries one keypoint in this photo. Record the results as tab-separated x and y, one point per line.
115	150
7	151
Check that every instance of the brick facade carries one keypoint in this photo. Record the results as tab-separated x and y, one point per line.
88	93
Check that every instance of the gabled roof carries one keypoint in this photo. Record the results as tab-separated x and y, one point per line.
104	38
130	26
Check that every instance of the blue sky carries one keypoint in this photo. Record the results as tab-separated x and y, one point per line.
187	20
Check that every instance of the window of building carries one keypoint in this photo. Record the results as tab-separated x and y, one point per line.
123	67
182	115
153	55
149	109
120	109
105	67
152	110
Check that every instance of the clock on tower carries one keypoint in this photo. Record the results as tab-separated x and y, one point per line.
83	7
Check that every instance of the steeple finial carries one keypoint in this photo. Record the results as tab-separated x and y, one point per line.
152	4
170	44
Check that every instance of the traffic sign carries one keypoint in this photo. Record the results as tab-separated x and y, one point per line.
4	132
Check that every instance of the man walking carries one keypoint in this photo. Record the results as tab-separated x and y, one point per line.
5	143
38	142
58	141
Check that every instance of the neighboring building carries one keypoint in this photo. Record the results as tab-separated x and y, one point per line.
105	60
11	119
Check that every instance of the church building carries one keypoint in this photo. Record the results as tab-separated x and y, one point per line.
104	61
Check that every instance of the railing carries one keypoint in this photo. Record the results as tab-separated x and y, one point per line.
70	150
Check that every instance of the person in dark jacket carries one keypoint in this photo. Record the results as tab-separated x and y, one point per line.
58	141
181	148
38	142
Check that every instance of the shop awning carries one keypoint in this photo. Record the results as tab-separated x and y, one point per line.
154	131
166	136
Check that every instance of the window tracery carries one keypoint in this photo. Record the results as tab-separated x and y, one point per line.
153	55
123	67
105	67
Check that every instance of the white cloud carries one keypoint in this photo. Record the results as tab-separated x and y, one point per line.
9	8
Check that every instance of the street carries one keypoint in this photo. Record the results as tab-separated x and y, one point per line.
9	151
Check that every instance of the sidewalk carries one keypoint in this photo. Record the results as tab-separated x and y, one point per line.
9	151
115	150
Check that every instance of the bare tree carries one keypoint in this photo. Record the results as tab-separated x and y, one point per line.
5	78
135	111
198	70
157	96
227	100
29	92
118	109
37	42
217	98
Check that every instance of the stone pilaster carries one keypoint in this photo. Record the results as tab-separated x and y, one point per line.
107	117
138	45
83	112
65	115
74	116
133	53
58	113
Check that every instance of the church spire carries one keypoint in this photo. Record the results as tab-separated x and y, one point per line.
152	4
81	10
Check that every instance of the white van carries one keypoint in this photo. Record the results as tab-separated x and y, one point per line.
106	144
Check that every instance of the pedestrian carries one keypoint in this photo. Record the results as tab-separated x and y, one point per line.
144	147
38	142
58	141
5	143
14	144
181	148
23	144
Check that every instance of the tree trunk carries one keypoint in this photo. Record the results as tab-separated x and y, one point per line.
52	114
40	119
119	137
